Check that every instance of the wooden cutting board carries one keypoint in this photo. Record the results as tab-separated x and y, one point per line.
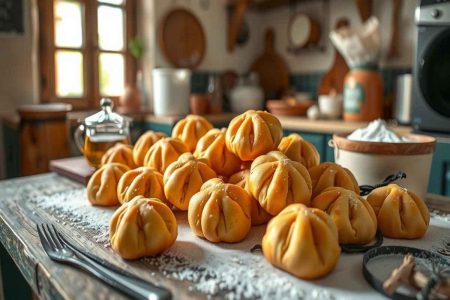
334	78
75	168
271	68
182	39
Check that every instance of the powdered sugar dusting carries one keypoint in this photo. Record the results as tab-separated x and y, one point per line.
217	270
228	271
72	208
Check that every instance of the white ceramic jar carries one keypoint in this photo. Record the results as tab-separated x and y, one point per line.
247	94
171	90
330	106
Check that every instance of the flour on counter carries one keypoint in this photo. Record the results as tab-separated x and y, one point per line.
377	131
72	208
228	271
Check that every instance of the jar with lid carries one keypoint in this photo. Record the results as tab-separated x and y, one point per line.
100	131
363	93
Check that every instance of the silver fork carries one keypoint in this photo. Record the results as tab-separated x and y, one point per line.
59	250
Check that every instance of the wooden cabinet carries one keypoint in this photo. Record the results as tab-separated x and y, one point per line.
43	136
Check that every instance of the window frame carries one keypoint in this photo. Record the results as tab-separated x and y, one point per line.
90	51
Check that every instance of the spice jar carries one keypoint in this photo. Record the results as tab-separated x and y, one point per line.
363	93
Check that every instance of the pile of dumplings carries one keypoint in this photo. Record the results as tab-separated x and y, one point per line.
248	174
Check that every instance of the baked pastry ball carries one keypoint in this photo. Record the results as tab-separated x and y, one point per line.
191	129
276	181
259	215
401	214
143	144
163	153
142	227
119	153
302	241
355	219
212	147
101	189
298	149
220	212
329	174
141	181
184	177
253	133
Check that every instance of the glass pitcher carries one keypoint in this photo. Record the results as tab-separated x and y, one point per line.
101	131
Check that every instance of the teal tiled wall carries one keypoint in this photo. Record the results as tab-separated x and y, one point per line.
309	82
305	82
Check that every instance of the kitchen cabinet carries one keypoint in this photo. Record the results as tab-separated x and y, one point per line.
11	145
447	179
440	168
439	176
319	140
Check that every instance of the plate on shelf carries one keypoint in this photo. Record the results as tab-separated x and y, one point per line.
182	39
289	108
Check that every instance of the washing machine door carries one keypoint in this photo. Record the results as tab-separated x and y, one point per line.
434	74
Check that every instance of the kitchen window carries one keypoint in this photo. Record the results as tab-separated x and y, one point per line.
83	50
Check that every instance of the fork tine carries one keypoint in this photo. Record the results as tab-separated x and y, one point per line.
43	239
49	237
57	236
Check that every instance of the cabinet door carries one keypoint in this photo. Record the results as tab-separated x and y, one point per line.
317	139
439	182
161	127
12	151
329	151
447	180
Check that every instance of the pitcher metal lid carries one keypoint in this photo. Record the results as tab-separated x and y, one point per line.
106	115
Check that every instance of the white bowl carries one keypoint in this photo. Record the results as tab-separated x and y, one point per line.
330	106
372	162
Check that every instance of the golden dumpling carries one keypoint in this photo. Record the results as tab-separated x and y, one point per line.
259	215
142	181
302	241
143	144
102	186
212	147
276	181
220	212
401	214
119	153
354	217
142	227
163	153
252	134
184	178
191	129
330	174
298	149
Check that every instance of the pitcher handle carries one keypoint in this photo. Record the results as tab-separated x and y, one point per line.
78	138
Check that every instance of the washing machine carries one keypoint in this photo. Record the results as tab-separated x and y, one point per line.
431	72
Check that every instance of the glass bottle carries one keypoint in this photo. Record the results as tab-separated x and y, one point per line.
214	95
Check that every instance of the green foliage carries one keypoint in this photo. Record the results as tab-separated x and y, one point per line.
136	47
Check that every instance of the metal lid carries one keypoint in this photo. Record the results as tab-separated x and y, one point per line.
106	115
